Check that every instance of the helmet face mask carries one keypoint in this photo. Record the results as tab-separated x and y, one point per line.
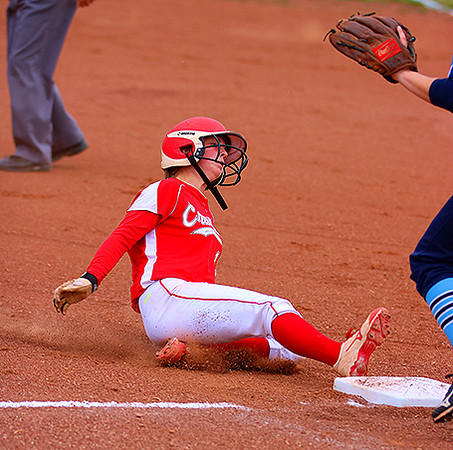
235	161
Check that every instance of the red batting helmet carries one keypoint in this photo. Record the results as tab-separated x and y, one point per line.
184	146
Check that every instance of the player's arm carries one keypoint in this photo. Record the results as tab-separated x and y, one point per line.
415	82
438	91
132	228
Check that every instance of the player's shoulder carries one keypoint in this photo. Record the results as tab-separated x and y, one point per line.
145	197
147	190
166	185
170	183
159	196
170	188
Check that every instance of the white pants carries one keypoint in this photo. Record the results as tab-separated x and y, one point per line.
209	313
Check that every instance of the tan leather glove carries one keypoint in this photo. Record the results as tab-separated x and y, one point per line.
73	291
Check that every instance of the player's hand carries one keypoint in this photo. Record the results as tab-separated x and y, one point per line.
402	35
71	292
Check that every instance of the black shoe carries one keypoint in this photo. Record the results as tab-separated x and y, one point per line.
16	163
69	151
444	411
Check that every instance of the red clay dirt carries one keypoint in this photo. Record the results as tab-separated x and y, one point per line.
346	171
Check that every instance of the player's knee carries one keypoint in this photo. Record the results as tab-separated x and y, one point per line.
419	269
282	306
415	266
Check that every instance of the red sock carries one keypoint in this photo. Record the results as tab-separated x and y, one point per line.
259	346
298	336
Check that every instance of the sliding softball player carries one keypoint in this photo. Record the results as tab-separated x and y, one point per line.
174	246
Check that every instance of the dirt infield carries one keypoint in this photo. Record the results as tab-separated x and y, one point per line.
346	172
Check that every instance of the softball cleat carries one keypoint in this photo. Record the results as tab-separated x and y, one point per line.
444	411
356	351
172	352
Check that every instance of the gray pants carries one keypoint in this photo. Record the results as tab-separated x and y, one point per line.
36	33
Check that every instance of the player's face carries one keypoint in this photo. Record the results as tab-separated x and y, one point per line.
210	166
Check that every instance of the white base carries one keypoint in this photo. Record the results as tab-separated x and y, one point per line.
395	391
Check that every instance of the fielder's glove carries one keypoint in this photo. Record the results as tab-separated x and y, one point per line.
375	42
73	291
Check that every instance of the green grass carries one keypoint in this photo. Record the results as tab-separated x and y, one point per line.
446	3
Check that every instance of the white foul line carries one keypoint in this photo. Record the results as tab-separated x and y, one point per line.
86	404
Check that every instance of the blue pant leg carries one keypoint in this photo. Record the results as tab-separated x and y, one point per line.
65	131
432	268
36	33
432	259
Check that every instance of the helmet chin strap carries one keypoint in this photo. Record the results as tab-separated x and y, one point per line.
215	192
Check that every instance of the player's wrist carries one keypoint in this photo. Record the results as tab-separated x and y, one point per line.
401	75
92	279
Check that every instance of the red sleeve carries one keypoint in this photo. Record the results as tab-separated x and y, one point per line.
131	229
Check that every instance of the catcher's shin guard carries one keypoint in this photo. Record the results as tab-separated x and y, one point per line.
356	351
172	352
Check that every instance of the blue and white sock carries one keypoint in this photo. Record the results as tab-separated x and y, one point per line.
440	301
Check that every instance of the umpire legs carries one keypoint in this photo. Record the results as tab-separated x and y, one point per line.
36	33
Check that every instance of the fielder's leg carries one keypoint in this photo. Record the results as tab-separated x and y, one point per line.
432	271
432	268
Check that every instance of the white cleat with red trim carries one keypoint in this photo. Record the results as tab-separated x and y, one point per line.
356	351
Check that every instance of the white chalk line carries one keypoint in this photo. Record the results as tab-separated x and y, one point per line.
139	405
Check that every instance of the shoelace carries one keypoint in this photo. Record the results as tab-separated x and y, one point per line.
352	331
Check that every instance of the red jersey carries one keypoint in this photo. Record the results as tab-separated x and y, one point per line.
168	232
